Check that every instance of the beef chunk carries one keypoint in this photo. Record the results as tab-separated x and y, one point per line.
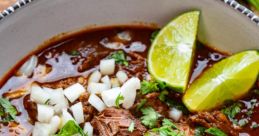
89	111
214	119
114	121
154	102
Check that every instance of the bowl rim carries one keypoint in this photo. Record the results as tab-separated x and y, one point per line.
231	3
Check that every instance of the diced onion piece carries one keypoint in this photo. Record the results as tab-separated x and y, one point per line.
125	35
107	67
109	96
45	113
78	113
129	91
95	77
106	80
122	76
66	116
38	94
54	123
28	67
115	82
57	99
88	129
74	91
96	102
97	88
175	114
41	129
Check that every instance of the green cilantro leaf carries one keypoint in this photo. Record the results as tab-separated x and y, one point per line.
74	53
215	132
232	110
255	3
141	104
162	95
131	127
71	128
168	129
120	58
148	87
7	111
150	117
199	131
118	99
153	35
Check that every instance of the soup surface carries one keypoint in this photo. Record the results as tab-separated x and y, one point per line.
76	59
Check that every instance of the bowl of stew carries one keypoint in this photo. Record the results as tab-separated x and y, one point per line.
82	68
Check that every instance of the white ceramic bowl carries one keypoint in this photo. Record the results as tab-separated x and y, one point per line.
221	26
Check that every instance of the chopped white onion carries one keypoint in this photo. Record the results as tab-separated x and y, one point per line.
175	114
66	116
41	129
78	113
57	99
55	124
107	67
95	77
96	102
106	80
74	91
129	91
97	88
122	76
28	67
45	113
125	35
109	96
38	94
115	82
88	129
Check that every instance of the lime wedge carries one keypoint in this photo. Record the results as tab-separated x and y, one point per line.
228	79
171	54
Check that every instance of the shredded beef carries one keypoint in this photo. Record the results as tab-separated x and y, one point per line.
89	111
114	121
214	119
159	106
64	83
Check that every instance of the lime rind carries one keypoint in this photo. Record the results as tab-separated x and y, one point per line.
174	50
229	79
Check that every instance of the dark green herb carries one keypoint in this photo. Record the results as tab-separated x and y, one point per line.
199	131
215	132
150	117
131	127
141	104
162	85
148	87
118	99
232	110
47	102
153	35
7	111
162	95
71	128
168	129
120	58
74	53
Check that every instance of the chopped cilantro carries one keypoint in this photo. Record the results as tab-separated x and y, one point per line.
141	104
199	131
215	132
131	127
120	58
74	53
118	99
71	128
7	111
168	129
153	35
162	95
232	110
150	117
148	87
